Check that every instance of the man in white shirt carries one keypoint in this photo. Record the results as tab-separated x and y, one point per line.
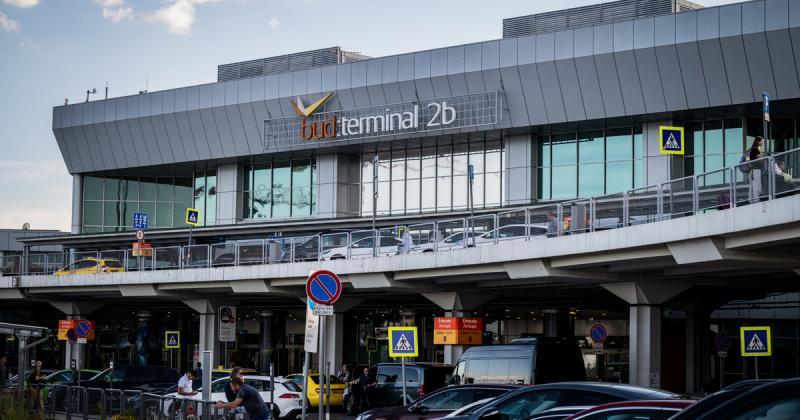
185	384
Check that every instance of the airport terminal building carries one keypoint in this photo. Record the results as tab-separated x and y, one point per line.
565	112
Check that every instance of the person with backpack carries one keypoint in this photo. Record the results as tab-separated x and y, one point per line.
754	170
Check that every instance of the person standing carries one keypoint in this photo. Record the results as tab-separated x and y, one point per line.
198	375
365	384
3	370
35	381
754	175
345	375
247	397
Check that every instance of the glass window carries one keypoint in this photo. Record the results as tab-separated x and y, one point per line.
443	193
477	371
366	199
528	404
92	188
428	194
262	192
618	176
165	191
301	188
388	373
493	188
281	190
631	414
590	147
183	190
113	187
383	197
398	197
590	180
563	182
93	213
781	409
112	213
163	215
448	400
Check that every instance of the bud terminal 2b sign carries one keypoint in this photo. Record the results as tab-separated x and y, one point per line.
313	123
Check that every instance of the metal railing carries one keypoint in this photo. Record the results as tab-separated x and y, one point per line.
743	184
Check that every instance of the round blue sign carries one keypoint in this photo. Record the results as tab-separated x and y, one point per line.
323	287
598	333
82	328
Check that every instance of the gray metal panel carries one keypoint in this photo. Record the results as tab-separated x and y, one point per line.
714	71
686	27
475	82
490	55
81	160
149	151
494	82
361	97
753	17
514	96
259	116
389	69
405	67
209	127
424	88
623	36
629	83
374	72
226	137
57	110
438	62
736	68
652	91
526	50
755	47
583	40
192	98
272	86
548	77
671	78
200	135
455	60
285	84
358	75
590	88
693	78
257	87
64	148
472	57
313	82
794	13
603	39
730	20
392	93
85	144
441	87
564	45
178	148
408	91
328	80
236	122
422	64
644	33
218	92
98	155
180	99
191	144
609	85
508	52
545	47
159	132
458	84
708	23
665	30
105	157
570	90
783	65
109	132
299	84
131	151
776	14
376	95
230	92
206	92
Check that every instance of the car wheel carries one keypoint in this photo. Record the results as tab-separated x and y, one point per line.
427	250
337	257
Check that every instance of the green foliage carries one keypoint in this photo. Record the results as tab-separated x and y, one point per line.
13	408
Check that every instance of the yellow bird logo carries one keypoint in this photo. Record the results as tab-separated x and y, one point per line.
306	111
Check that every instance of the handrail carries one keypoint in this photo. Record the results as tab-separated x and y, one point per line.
690	195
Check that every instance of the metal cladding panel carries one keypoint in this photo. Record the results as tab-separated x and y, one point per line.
692	72
534	98
730	20
455	60
753	17
590	88
441	87
85	148
526	50
644	33
686	27
328	82
65	154
257	86
110	110
68	133
104	153
245	91
392	93
475	82
422	64
609	85
206	92
424	89
148	153
438	62
361	97
564	45
755	48
374	73
275	110
783	65
184	131
458	84
405	67
665	30
551	89
272	86
198	134
358	74
514	97
714	70
57	112
472	57
570	90
344	97
738	74
192	98
794	13
408	91
376	95
132	152
508	52
285	84
389	68
776	14
226	138
212	134
159	136
180	99
118	158
178	148
603	39
583	40
490	55
238	134
708	24
218	92
652	92
629	83
260	115
545	48
623	36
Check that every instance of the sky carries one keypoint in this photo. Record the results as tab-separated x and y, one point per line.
52	50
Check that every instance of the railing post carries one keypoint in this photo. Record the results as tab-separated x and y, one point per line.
319	247
592	213
236	256
659	203
695	195
771	175
348	244
528	223
435	235
560	219
496	229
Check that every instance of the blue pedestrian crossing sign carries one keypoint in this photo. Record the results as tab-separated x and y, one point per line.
756	341
192	216
172	339
140	220
670	140
403	342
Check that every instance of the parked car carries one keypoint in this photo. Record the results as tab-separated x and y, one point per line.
143	378
526	361
439	403
12	381
469	408
558	413
528	401
453	241
91	266
634	410
421	379
509	232
288	397
774	401
362	248
312	392
720	397
226	373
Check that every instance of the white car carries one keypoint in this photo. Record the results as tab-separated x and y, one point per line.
454	241
288	398
510	232
362	248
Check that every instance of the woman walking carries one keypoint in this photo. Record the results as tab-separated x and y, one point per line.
754	175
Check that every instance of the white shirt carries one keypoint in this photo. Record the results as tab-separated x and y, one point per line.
185	384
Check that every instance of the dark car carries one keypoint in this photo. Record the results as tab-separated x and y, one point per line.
526	402
558	413
439	403
143	378
634	410
720	397
421	379
527	361
775	401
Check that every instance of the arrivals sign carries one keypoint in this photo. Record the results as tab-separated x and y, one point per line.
455	330
311	123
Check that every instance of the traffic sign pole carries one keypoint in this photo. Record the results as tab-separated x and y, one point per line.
403	366
321	381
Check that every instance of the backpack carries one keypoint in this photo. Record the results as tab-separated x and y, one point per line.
745	158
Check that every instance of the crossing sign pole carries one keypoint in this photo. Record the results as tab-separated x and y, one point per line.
756	341
401	346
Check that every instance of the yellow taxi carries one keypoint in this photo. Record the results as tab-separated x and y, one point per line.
226	373
312	392
92	265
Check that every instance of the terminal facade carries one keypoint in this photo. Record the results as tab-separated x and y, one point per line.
558	110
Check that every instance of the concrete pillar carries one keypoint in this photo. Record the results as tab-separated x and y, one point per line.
208	327
338	185
658	168
520	168
454	304
691	341
550	322
230	179
77	203
334	334
75	310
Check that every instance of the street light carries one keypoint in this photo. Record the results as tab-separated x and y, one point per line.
91	91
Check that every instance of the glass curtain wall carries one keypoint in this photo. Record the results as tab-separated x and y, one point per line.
433	176
589	163
109	202
205	196
280	189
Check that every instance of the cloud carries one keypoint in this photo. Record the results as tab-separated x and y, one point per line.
274	23
22	3
177	15
114	10
8	24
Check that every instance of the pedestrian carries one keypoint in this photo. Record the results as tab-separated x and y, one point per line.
247	397
345	375
3	369
35	381
552	225
365	384
185	388
230	394
198	374
408	241
783	179
755	152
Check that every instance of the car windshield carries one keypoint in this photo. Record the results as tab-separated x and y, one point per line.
291	386
113	264
470	408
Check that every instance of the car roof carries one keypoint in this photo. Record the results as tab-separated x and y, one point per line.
492	386
679	404
631	392
755	394
228	370
424	364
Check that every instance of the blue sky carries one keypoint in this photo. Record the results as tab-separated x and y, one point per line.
56	49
